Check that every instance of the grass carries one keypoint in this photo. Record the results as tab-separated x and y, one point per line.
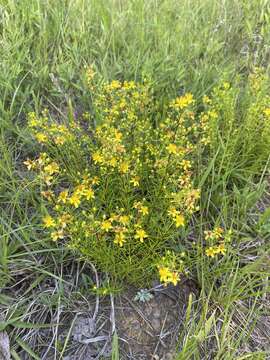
179	46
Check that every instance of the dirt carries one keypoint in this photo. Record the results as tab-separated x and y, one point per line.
149	330
145	330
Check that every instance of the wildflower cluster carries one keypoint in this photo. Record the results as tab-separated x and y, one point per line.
170	267
122	191
217	239
48	131
47	168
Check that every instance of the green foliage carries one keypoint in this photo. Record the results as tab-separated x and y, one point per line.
239	124
186	44
126	202
179	47
129	193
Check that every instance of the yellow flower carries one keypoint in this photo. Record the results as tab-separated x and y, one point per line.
172	212
115	84
89	193
75	200
98	158
211	252
48	179
30	164
213	114
141	235
106	225
59	234
172	149
63	196
113	162
48	221
183	101
221	249
135	181
48	194
59	140
118	136
144	210
137	205
206	100
41	138
95	180
64	219
174	278
124	219
32	120
164	274
179	220
51	168
120	239
113	217
43	158
186	164
124	166
267	112
217	232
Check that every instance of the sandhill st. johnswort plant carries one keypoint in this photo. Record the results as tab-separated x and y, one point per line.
118	184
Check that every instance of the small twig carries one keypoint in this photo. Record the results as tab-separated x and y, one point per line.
94	339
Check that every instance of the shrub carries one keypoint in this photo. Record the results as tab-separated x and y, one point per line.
118	184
